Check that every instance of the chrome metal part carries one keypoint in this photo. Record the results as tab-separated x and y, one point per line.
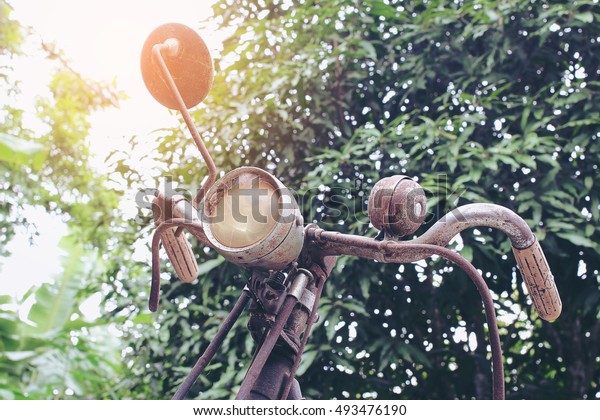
308	299
303	277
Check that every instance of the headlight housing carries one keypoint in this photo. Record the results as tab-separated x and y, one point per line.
253	220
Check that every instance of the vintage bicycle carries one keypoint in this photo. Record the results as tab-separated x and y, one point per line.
250	218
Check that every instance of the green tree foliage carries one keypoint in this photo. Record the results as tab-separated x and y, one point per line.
482	101
51	350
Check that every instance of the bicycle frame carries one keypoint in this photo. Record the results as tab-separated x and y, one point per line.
286	281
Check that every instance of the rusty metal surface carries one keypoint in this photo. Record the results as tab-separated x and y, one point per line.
301	280
321	248
270	294
474	215
297	288
490	314
313	259
408	208
272	378
396	207
312	318
379	200
336	243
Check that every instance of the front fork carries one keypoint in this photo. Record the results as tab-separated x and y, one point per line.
276	373
290	315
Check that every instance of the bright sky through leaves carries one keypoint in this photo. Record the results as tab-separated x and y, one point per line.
102	40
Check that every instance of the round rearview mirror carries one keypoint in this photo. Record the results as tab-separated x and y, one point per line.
188	60
253	220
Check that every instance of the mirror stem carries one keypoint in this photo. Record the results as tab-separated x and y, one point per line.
171	47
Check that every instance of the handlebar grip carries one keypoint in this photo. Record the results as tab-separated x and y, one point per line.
539	280
179	251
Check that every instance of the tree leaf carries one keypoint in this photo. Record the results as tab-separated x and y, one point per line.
369	49
587	17
21	152
207	266
55	302
577	239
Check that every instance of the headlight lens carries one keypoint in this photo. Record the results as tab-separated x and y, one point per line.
249	212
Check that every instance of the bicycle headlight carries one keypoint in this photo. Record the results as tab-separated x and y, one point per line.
253	220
